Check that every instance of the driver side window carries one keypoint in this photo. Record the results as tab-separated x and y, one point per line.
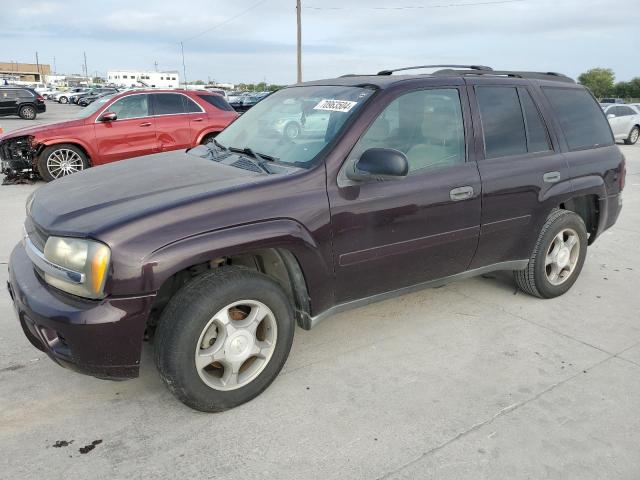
131	106
425	125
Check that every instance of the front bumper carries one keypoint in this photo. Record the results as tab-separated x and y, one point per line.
98	338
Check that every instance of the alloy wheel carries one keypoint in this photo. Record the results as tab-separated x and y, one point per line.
236	345
64	162
562	256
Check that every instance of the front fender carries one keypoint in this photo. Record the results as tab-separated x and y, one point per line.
280	233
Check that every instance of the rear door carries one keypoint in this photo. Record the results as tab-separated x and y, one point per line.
131	135
520	163
394	234
172	121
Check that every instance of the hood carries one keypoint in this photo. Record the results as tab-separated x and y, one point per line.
40	129
109	196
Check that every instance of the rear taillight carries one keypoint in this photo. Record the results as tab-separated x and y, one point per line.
40	98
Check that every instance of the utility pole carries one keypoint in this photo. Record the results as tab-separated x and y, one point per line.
299	22
38	68
86	72
55	69
155	64
184	68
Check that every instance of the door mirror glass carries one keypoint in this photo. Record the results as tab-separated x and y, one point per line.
108	117
379	164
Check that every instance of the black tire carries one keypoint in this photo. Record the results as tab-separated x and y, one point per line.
63	99
633	136
533	279
28	112
48	174
189	312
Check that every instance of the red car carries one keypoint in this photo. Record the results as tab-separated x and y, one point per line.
130	124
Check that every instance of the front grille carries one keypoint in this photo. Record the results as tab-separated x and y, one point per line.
247	165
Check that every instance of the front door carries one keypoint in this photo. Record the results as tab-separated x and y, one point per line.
133	134
390	235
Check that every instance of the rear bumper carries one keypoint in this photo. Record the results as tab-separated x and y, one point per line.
98	338
41	107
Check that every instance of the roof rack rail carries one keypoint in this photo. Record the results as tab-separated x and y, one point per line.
471	67
553	76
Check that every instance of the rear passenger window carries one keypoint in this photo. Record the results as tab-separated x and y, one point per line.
217	101
502	121
537	136
167	103
190	106
580	117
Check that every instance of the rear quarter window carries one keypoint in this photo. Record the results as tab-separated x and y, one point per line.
581	118
217	101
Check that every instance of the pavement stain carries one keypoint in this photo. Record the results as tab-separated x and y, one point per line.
87	448
62	443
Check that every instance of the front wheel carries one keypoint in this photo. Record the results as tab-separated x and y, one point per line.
63	99
557	257
633	136
223	338
61	160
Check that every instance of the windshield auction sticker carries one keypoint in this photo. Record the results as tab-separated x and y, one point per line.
335	105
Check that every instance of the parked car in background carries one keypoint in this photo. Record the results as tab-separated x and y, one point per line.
22	101
418	181
235	99
89	98
63	97
624	121
42	89
114	128
612	100
219	91
249	101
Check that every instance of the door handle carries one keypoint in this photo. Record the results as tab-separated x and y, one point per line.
461	193
145	124
551	177
197	119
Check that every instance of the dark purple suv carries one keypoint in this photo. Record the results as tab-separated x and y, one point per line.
323	197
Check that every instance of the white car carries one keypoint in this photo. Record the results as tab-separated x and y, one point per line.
624	121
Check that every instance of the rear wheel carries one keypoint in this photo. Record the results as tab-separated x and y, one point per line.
61	160
557	258
223	338
633	136
63	99
28	112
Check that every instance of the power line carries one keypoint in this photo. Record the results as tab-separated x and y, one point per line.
228	20
421	7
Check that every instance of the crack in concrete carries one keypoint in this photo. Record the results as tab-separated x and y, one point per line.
500	413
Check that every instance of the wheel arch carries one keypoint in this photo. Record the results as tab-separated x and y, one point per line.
64	141
281	249
206	133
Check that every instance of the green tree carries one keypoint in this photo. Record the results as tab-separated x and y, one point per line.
198	82
599	81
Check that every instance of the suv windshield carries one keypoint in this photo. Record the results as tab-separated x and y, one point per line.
295	124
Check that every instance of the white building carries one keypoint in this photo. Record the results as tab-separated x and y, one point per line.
136	78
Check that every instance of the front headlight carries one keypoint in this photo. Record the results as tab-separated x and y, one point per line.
88	258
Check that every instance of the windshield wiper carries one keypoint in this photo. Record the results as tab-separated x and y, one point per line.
259	159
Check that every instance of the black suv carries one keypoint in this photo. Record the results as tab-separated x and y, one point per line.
25	102
391	183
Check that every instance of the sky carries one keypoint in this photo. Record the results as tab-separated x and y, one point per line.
252	41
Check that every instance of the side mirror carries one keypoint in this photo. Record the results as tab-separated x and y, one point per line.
379	164
611	115
108	117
